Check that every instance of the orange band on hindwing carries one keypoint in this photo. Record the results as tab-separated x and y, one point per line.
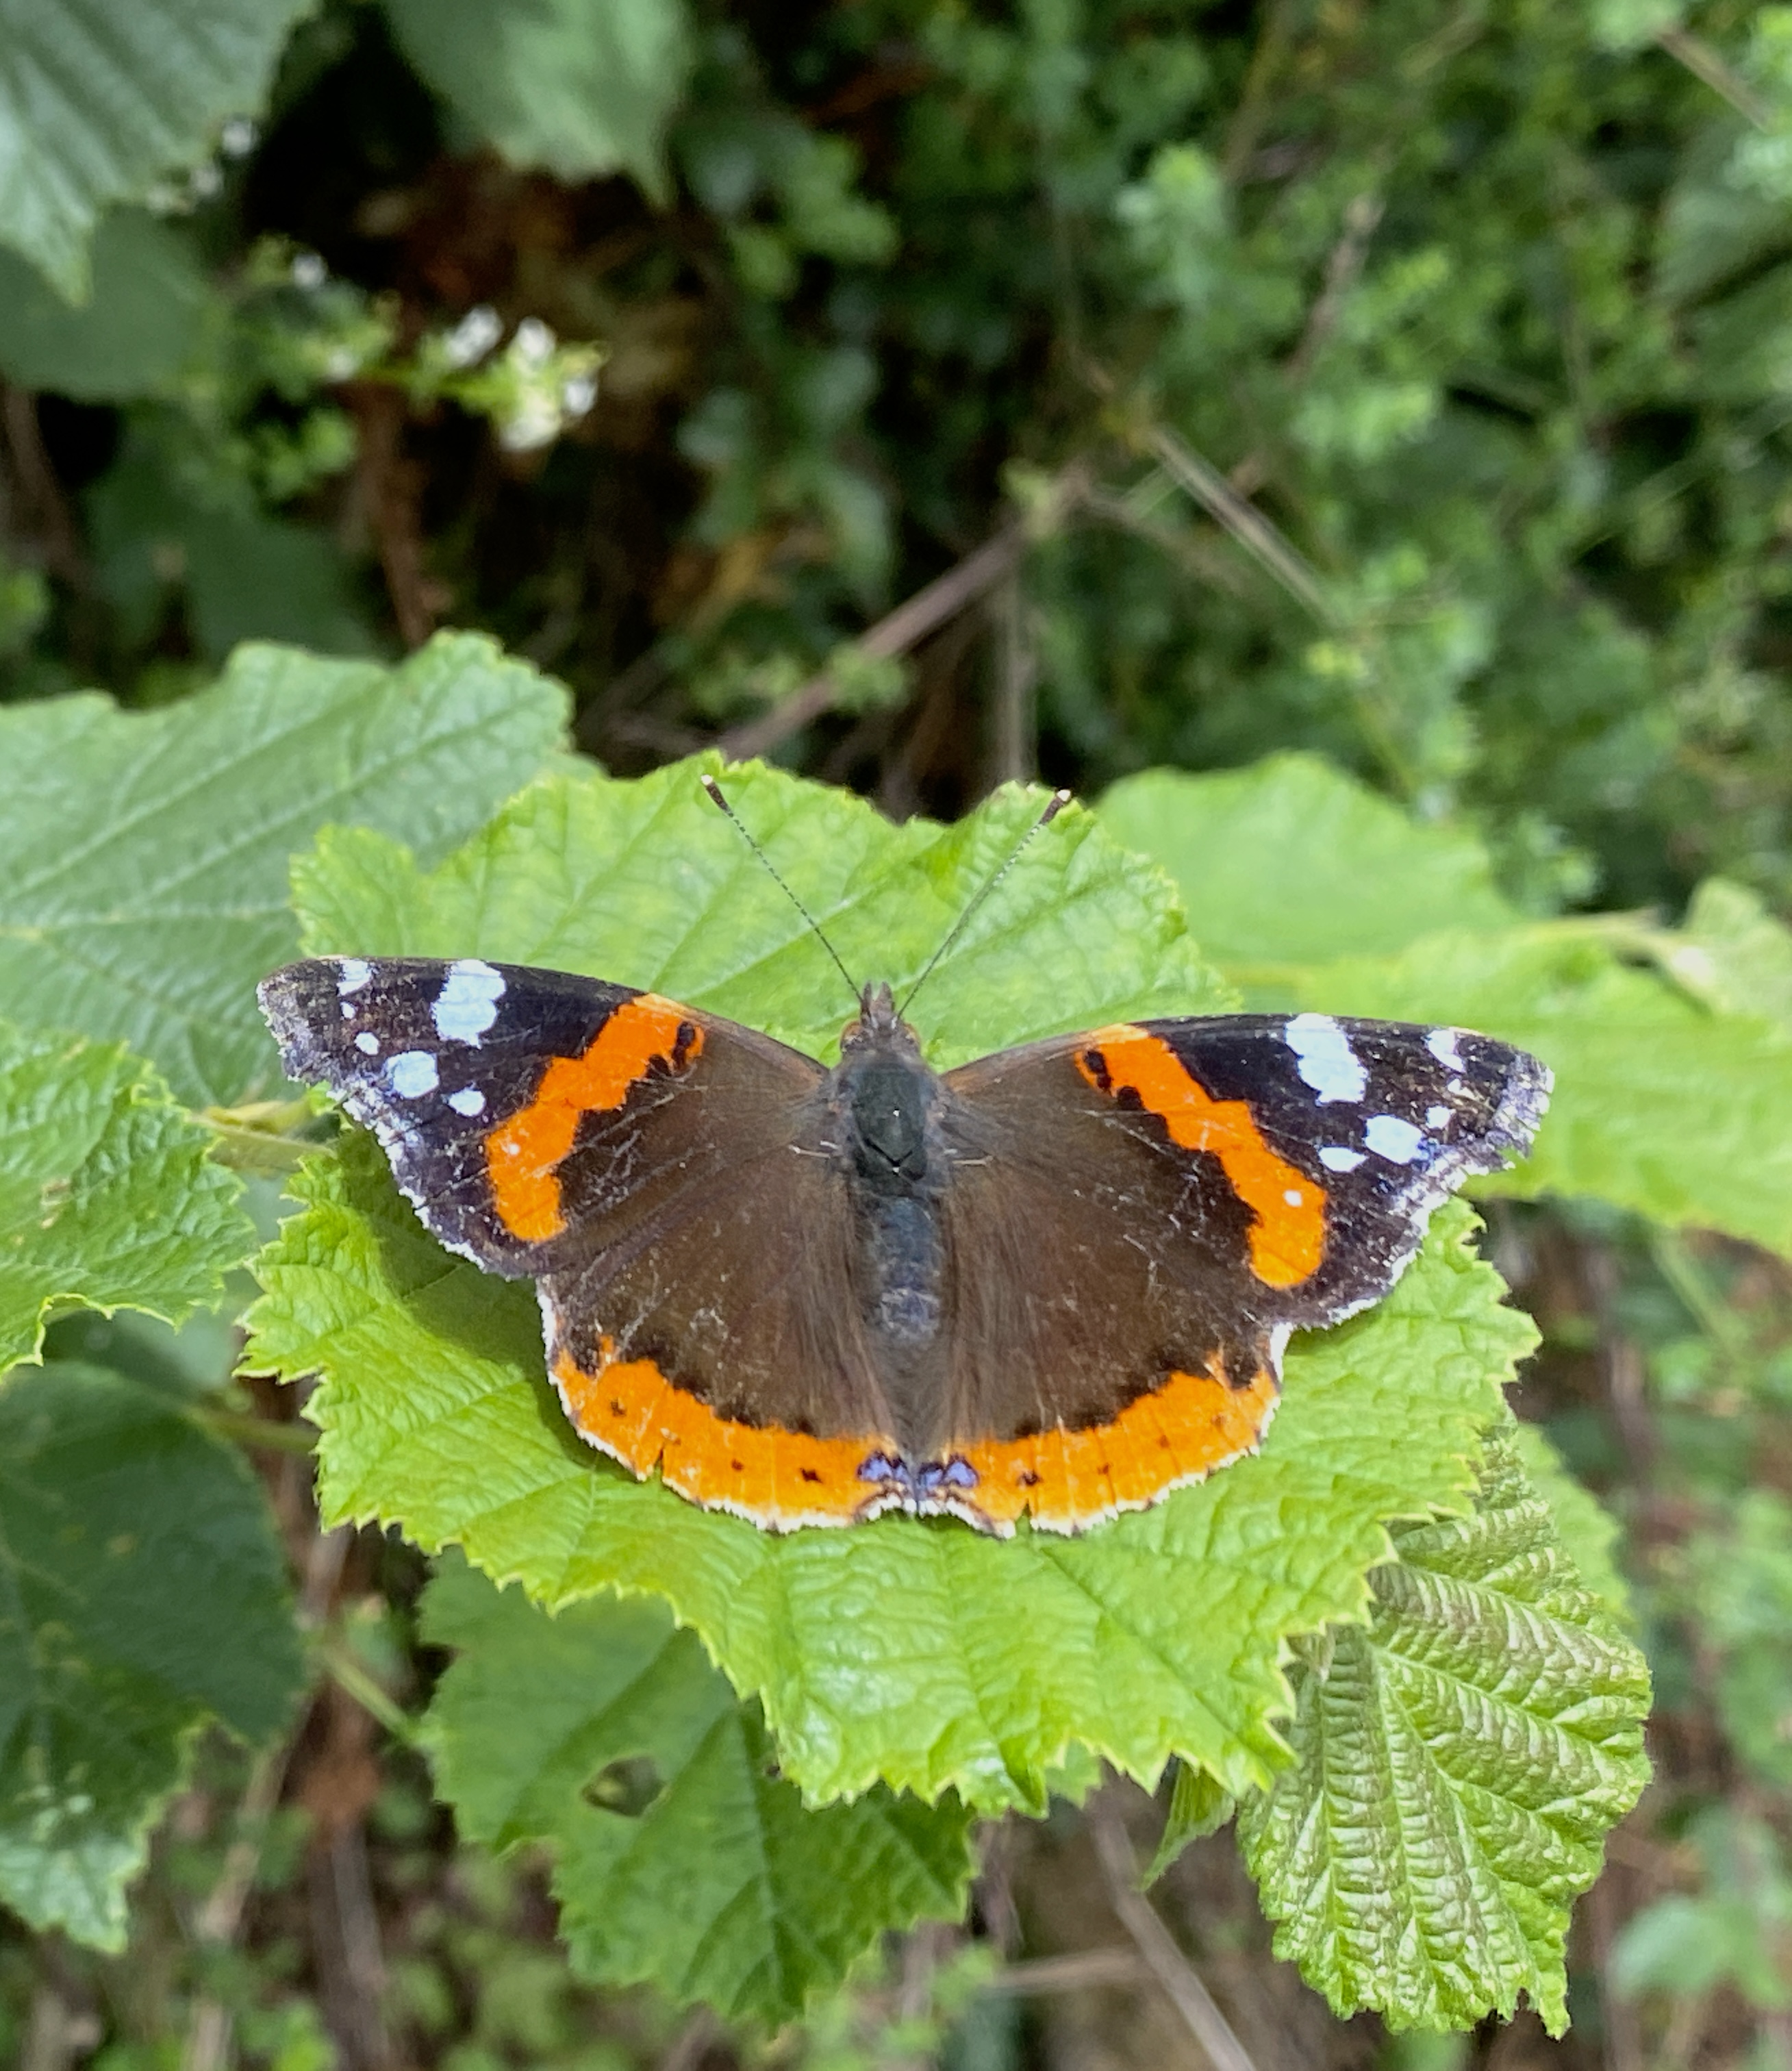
778	1479
1288	1237
523	1154
1069	1480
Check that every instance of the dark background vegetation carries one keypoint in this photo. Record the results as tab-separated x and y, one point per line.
1404	380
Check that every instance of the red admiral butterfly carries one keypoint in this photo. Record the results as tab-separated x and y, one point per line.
1058	1280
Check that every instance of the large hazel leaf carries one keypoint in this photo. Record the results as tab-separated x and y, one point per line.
681	1858
919	1655
577	87
1292	861
1665	1103
98	102
1730	953
108	1197
1458	1764
143	855
142	1592
1661	1105
133	333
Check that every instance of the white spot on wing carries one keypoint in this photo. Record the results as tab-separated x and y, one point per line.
1327	1062
1437	1118
1336	1158
368	1044
352	973
1390	1137
1294	1197
467	1004
1441	1043
412	1073
468	1100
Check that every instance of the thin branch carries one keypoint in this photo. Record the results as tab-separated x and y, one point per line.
906	627
1362	215
1246	523
1073	1973
58	2034
693	2042
1707	66
220	1918
46	507
392	489
1194	555
910	623
1623	2031
1156	1944
220	1921
1014	756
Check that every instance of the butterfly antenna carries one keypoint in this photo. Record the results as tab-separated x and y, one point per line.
714	791
1055	805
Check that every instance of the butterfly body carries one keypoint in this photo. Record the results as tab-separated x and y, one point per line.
1056	1281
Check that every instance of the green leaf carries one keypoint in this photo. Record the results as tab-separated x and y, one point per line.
1198	1807
159	524
98	103
142	1592
133	333
1732	1585
923	1656
577	87
1731	953
1589	1532
143	855
1732	1931
1457	1763
681	1858
1660	1106
108	1197
1292	861
1315	898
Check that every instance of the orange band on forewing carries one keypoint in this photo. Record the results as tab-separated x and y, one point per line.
776	1479
1069	1480
1288	1238
523	1154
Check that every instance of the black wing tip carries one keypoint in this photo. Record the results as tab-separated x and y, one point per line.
289	1000
1523	1103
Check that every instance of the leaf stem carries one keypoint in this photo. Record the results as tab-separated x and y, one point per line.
246	1429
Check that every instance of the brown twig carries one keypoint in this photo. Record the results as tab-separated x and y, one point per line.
1708	67
1156	1946
1012	756
45	508
1246	523
1074	1973
220	1921
346	1945
691	2044
59	2032
1195	554
925	613
392	489
906	627
220	1918
1362	215
1623	2034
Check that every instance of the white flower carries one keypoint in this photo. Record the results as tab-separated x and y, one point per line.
534	343
473	337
